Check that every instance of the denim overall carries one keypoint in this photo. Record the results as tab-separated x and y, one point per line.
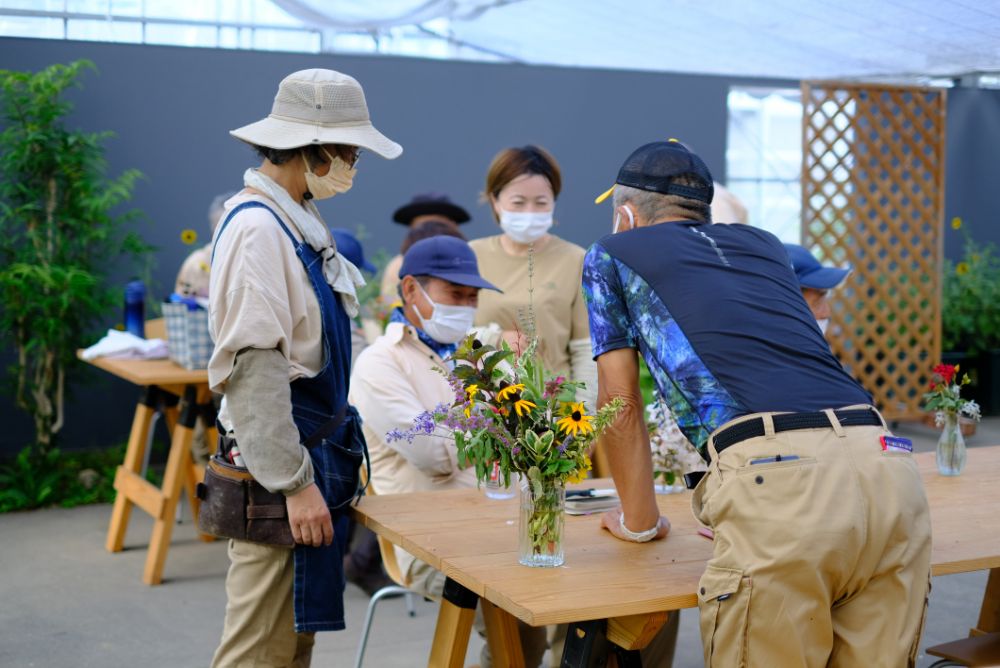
319	572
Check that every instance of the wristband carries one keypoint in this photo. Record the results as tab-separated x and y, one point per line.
638	536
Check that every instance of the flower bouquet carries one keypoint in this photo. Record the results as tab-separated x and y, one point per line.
945	398
673	454
510	414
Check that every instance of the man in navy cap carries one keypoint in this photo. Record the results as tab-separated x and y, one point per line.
400	376
815	281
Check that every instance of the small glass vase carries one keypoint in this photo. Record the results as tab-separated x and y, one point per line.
541	524
494	487
951	447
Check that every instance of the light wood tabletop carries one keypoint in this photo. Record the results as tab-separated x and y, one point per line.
473	540
163	373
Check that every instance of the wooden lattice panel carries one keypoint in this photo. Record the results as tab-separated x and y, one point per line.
873	197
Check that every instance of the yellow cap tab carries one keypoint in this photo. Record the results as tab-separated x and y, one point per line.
676	141
604	195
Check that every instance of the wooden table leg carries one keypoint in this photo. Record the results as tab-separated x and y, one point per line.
134	454
635	631
989	613
173	481
454	625
502	635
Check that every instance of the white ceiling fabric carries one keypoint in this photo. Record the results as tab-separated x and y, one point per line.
770	38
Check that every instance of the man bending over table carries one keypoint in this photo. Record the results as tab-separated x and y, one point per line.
822	532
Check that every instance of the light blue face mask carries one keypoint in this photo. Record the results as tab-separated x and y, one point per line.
448	323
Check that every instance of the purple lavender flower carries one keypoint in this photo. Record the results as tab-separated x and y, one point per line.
423	423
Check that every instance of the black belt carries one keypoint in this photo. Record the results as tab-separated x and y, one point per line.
855	417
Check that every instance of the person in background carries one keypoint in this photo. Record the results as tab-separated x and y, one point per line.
281	303
822	532
522	186
422	210
401	375
727	207
193	277
815	281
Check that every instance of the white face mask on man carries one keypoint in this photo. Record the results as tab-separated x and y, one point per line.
448	323
339	179
525	227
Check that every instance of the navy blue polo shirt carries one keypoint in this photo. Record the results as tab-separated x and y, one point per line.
717	314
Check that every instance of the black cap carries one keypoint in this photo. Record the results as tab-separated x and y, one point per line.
655	167
430	204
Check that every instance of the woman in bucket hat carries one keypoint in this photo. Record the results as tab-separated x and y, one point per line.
281	300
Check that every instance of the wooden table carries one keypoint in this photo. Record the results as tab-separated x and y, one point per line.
473	540
161	381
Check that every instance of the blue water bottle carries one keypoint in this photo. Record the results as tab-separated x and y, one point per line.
135	297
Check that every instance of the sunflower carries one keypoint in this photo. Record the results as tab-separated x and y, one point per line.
523	406
962	268
576	421
581	474
189	237
472	391
509	390
956	223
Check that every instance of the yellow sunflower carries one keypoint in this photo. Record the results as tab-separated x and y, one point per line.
956	223
581	474
576	421
189	237
507	392
962	268
523	406
472	391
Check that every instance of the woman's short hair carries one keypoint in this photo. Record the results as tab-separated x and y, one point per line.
511	163
279	156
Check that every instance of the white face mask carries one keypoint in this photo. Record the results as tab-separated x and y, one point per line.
339	179
448	323
525	227
618	219
823	324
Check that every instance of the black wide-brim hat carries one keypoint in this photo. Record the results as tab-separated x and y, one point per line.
430	204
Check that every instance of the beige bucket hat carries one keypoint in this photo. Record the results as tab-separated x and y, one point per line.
318	107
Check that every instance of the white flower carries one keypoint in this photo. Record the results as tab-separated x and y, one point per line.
971	409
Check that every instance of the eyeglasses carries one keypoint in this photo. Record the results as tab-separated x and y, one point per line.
355	156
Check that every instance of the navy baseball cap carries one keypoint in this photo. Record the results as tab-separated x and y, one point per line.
447	258
811	273
349	246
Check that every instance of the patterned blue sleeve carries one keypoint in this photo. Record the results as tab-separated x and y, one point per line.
610	327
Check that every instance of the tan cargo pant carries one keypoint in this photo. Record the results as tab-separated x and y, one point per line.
822	559
259	631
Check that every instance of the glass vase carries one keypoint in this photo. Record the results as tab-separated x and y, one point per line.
951	447
541	524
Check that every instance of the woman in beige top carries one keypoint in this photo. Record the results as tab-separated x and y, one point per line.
522	185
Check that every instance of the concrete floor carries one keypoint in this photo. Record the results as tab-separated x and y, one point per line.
67	602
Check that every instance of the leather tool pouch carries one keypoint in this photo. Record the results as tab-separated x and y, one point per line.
234	505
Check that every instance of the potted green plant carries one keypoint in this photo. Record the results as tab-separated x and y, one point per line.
59	226
970	318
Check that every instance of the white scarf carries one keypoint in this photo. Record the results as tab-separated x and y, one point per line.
343	277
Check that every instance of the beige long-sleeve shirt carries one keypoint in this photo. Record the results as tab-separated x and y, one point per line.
560	311
260	298
395	379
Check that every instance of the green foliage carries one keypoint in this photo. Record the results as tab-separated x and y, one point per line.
67	479
58	231
970	313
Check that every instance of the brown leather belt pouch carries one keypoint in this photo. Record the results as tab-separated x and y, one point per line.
234	505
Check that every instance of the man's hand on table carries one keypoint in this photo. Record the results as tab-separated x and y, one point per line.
611	521
309	517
